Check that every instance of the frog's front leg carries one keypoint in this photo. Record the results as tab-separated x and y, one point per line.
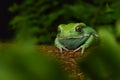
86	44
59	45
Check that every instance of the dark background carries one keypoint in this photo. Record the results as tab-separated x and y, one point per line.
46	15
5	17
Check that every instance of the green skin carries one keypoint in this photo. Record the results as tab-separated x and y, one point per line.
74	36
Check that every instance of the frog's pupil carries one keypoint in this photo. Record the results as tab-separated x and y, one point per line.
78	28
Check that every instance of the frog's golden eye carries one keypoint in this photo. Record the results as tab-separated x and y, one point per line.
78	28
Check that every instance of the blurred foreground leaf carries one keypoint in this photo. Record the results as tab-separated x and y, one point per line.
117	29
21	61
104	61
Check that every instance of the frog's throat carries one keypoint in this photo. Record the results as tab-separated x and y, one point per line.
74	37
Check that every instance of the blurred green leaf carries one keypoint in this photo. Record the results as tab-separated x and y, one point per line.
21	61
103	62
117	29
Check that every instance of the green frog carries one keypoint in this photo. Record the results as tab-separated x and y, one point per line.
74	36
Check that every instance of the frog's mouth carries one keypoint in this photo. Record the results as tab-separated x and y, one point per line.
72	43
74	37
67	37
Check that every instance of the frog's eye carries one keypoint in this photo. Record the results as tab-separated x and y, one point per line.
78	28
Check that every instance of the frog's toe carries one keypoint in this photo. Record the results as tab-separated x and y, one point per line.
83	49
60	49
76	49
65	49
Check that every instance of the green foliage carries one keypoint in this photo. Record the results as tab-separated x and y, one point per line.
103	62
46	15
21	61
117	29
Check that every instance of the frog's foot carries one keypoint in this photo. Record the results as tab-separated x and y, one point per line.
64	49
81	47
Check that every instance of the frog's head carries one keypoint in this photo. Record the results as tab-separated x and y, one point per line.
71	30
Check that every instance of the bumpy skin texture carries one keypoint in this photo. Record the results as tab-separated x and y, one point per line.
74	36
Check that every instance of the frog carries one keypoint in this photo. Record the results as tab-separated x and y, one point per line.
75	37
